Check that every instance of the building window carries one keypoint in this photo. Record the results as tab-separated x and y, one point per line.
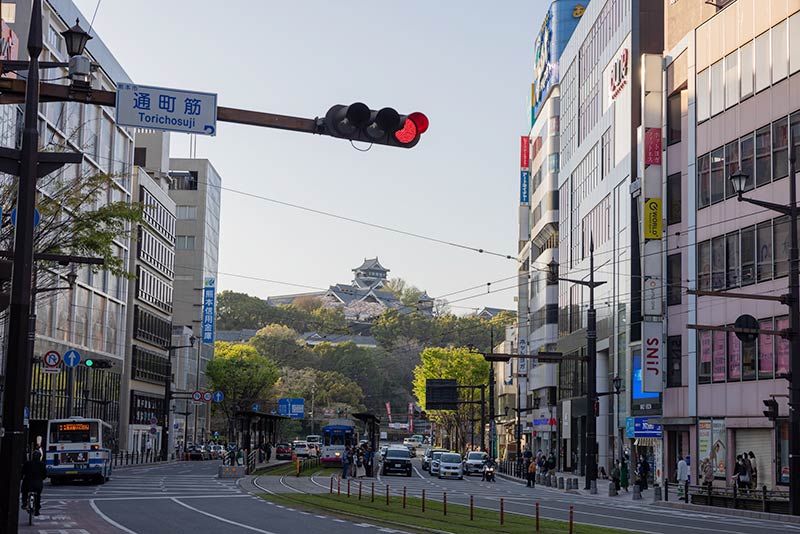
54	39
149	366
674	282
704	344
764	250
145	407
703	96
151	328
731	166
717	175
151	289
704	265
748	255
748	360
780	149
718	263
674	362
794	43
734	358
781	245
608	153
746	150
186	212
780	52
155	253
732	259
184	242
674	199
717	88
183	181
747	70
704	181
762	62
763	159
674	118
157	215
732	79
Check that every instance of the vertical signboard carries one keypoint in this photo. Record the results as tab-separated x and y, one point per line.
208	310
653	357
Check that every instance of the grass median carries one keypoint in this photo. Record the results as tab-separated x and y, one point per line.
290	469
412	517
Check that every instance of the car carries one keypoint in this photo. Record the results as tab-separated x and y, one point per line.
397	460
383	450
283	451
412	449
193	452
435	461
450	466
473	465
217	451
301	449
426	458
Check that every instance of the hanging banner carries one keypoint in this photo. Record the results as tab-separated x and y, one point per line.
389	411
766	351
718	363
208	310
524	151
652	358
783	348
652	218
734	357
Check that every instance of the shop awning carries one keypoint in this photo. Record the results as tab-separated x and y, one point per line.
647	442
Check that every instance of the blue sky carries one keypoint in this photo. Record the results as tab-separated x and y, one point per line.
467	65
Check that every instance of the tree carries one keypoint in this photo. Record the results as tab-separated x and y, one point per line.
407	294
467	368
330	321
236	311
362	311
280	344
330	389
359	364
307	303
242	375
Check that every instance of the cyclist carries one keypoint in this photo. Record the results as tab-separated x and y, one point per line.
33	475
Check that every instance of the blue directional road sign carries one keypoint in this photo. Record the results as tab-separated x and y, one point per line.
72	358
36	217
218	396
256	407
293	407
159	108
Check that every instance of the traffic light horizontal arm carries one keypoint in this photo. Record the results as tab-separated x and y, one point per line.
736	295
783	333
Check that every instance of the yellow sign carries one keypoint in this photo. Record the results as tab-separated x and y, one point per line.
578	11
652	218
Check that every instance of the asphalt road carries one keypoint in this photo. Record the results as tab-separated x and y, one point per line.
187	497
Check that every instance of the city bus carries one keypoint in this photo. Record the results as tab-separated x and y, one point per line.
78	447
336	437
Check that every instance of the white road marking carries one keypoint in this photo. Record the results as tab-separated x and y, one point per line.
108	520
222	519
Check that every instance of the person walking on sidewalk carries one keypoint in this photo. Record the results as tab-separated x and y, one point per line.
268	450
345	464
615	475
532	474
708	472
753	470
683	475
623	474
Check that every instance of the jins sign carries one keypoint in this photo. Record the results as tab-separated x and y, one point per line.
619	73
651	360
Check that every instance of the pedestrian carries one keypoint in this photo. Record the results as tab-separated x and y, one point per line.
528	455
369	457
531	474
708	473
268	450
740	475
643	472
361	469
345	464
33	475
601	473
551	464
149	446
615	475
753	470
623	474
683	475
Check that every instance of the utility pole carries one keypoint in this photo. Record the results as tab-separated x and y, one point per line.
492	424
590	436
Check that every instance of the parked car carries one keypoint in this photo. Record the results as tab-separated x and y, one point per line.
283	451
301	449
473	465
435	461
397	460
426	458
450	465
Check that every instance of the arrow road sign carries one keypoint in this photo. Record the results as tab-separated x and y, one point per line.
207	396
72	358
218	396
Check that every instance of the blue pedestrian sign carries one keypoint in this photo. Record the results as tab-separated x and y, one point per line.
173	110
218	396
72	358
292	407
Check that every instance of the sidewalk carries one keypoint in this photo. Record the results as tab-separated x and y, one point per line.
602	488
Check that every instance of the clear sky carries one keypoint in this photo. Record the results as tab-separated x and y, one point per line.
467	65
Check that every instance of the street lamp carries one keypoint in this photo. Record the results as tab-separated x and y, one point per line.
76	38
79	65
168	394
590	437
738	180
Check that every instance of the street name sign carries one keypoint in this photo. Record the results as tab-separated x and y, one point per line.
72	358
160	108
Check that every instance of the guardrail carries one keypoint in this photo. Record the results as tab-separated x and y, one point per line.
762	500
513	468
119	459
307	463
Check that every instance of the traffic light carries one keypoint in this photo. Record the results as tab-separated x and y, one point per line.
98	364
383	127
5	283
771	412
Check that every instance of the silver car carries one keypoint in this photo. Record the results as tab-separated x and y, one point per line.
473	465
435	460
450	466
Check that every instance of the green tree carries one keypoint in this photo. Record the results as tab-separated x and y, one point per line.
467	368
393	326
280	344
327	388
407	294
330	321
236	311
242	375
359	364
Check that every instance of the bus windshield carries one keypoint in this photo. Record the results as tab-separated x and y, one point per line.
74	432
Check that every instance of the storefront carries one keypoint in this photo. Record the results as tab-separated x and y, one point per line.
646	442
782	456
544	430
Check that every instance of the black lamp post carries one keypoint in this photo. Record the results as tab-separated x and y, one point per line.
75	39
739	181
616	382
168	396
590	437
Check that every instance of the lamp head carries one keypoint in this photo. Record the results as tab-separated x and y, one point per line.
739	182
76	39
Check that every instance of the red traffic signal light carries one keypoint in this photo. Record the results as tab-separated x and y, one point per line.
383	127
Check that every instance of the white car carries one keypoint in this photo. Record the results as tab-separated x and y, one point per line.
474	463
450	466
301	449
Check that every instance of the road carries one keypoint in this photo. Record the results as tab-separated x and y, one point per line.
187	497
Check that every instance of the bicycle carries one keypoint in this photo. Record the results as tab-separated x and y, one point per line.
31	507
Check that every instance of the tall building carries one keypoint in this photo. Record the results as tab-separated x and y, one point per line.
89	318
731	98
150	303
195	188
537	312
601	195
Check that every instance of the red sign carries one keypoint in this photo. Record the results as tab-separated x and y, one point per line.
652	146
718	363
524	151
619	73
783	348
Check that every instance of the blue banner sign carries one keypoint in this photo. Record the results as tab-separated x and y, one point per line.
524	187
294	408
208	311
640	427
